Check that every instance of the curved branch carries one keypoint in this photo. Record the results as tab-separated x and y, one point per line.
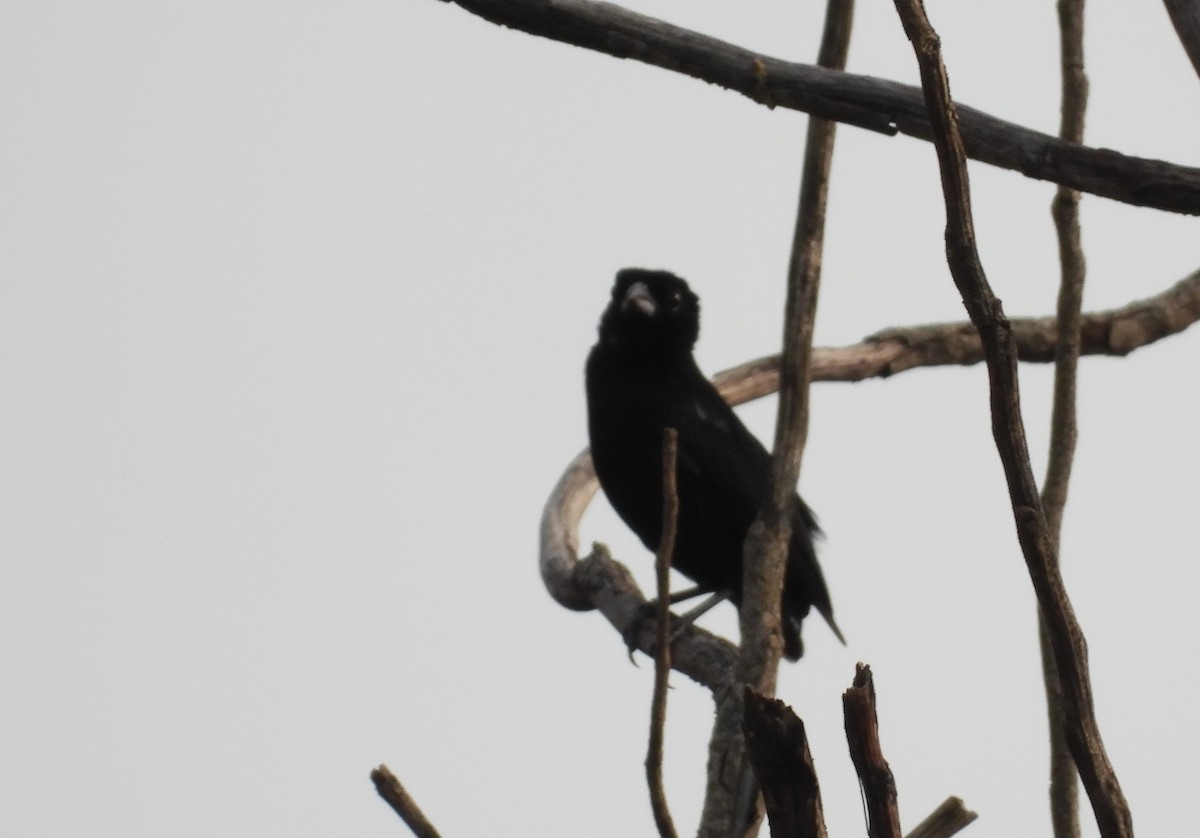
877	104
1116	331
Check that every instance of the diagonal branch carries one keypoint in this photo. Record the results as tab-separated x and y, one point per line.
1115	332
392	790
867	102
1185	17
1037	542
946	820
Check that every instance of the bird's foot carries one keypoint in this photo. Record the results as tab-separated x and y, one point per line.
647	612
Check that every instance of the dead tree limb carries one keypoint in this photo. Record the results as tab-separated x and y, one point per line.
862	735
876	104
946	820
1037	543
391	790
766	547
1115	332
777	747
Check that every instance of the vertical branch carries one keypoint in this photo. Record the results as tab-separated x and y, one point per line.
1064	793
778	749
874	773
662	651
766	545
995	332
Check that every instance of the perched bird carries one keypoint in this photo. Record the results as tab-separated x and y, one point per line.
641	379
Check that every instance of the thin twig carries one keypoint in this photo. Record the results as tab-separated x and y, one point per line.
662	651
946	820
391	790
874	773
1037	544
1064	790
872	103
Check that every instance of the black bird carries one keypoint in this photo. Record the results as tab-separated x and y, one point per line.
641	378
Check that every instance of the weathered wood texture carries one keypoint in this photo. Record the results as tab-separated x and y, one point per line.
867	102
778	750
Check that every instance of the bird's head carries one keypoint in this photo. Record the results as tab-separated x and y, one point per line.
651	311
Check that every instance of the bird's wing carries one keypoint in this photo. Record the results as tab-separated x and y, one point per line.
723	463
717	452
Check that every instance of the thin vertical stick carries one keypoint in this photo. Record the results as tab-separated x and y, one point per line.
1064	791
662	650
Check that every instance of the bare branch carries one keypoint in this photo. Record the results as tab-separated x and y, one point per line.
391	790
1185	17
662	650
862	734
1116	331
1037	543
946	820
864	101
1064	790
766	546
777	747
700	655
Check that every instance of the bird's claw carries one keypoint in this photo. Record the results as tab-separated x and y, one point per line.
646	612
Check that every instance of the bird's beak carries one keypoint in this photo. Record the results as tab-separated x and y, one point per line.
639	297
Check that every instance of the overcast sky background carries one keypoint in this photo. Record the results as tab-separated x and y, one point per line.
294	303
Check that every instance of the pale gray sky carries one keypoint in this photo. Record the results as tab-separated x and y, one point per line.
294	302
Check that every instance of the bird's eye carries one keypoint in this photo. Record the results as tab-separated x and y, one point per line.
675	300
